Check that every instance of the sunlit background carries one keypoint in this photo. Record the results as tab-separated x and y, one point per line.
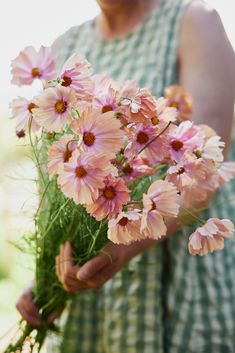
33	22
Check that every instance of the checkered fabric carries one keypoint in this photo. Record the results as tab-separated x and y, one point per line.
165	300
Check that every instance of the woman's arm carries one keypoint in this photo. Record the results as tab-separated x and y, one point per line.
207	68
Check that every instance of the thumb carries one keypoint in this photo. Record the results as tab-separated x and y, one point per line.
92	267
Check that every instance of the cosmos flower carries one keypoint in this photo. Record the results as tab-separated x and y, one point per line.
125	228
185	137
55	106
161	200
140	107
143	141
30	65
76	74
180	100
83	175
113	195
210	237
100	133
163	114
188	171
22	111
136	168
59	153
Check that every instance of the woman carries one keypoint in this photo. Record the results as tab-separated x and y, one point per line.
155	297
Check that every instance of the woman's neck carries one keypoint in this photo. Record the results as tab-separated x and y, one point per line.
116	20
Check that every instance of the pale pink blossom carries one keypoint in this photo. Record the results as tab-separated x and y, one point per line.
136	168
224	173
180	100
210	237
185	137
162	199
188	171
125	228
143	141
100	133
22	111
212	149
76	73
112	197
30	65
141	106
102	83
59	153
107	101
163	114
55	107
83	175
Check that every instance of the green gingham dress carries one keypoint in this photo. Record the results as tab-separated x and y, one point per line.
164	300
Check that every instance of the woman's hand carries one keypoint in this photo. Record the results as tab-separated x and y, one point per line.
29	311
94	273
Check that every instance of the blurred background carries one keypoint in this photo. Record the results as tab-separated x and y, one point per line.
23	23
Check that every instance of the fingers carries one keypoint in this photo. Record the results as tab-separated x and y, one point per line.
66	270
28	309
91	268
54	315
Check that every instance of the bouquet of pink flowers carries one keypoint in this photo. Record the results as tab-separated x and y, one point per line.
115	163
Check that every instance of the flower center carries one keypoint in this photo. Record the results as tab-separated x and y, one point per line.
35	72
66	81
123	221
127	169
177	145
109	193
153	206
31	106
60	107
198	153
67	155
174	105
181	171
20	133
155	120
80	172
88	138
142	137
107	108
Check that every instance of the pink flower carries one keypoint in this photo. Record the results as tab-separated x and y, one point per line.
55	108
100	133
77	75
107	101
22	111
30	65
161	200
125	228
188	171
226	172
105	93
102	83
83	176
210	237
136	168
186	136
113	195
211	149
139	140
223	174
180	100
140	107
163	114
59	153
